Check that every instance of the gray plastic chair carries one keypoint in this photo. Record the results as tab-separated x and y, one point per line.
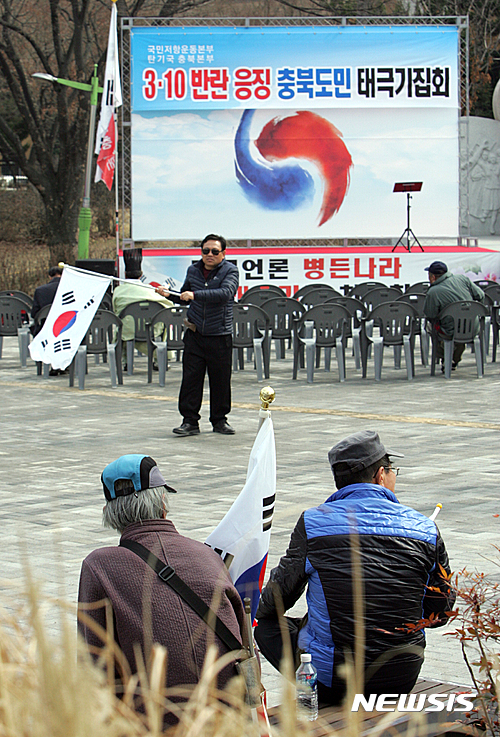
417	301
18	293
104	337
359	291
317	296
38	321
308	288
377	296
324	326
493	291
357	311
469	319
172	318
495	325
142	314
283	313
395	322
15	320
251	330
257	296
420	287
485	283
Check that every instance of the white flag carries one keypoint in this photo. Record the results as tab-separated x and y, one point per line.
111	99
245	531
78	296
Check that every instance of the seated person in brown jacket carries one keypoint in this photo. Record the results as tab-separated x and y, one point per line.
145	609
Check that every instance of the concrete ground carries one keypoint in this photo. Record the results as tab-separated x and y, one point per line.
55	441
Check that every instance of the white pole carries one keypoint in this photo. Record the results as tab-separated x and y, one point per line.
116	195
436	512
62	265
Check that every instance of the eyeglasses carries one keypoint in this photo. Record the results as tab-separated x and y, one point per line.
213	251
394	470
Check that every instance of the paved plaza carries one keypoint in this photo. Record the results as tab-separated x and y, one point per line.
55	441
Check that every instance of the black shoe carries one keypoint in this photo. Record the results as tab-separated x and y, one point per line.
453	367
224	428
186	429
56	372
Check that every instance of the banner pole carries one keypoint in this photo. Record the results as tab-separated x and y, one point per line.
62	265
117	229
267	396
436	512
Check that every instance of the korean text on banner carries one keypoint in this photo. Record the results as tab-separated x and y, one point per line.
244	533
301	131
77	298
111	99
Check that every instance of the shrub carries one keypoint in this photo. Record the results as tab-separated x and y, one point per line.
22	216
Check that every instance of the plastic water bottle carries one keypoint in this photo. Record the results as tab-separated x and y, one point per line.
306	679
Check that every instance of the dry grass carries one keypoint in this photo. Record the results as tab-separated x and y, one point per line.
51	688
24	266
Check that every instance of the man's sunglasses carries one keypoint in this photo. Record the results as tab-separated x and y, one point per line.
213	251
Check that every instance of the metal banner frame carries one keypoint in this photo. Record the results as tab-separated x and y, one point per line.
127	24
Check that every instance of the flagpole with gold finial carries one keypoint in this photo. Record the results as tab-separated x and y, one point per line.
267	396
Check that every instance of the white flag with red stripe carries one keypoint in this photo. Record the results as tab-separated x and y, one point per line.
111	99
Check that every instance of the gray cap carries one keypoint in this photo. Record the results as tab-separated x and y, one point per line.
359	451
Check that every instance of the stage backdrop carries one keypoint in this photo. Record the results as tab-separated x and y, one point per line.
293	132
291	269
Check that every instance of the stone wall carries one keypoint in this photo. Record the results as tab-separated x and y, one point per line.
480	168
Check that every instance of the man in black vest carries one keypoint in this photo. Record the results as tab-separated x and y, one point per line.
45	294
209	288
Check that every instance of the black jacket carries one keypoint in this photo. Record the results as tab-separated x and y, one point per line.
403	568
44	295
212	308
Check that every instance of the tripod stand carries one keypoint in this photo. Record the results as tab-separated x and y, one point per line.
407	187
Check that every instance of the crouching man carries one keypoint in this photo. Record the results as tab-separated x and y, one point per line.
403	573
145	609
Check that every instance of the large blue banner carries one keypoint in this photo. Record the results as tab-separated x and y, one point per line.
321	67
293	132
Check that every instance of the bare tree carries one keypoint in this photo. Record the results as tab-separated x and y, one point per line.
484	44
63	38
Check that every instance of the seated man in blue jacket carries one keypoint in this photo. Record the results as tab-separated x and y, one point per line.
403	573
209	287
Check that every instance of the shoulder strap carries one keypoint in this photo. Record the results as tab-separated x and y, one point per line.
169	576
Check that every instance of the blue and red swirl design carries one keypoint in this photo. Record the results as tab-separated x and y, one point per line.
64	322
277	186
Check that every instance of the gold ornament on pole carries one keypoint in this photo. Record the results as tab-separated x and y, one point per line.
267	397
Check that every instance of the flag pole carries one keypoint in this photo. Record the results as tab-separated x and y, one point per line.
117	228
138	283
267	396
436	511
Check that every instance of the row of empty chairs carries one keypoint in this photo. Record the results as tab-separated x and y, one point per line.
319	320
395	325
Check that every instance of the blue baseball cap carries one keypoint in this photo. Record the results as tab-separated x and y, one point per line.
140	470
437	267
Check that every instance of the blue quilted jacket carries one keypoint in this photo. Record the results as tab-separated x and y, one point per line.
401	552
212	308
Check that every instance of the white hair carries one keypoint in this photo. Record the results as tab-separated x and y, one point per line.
123	511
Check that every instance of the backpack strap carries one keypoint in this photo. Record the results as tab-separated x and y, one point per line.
167	574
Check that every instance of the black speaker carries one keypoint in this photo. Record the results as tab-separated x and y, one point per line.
105	266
